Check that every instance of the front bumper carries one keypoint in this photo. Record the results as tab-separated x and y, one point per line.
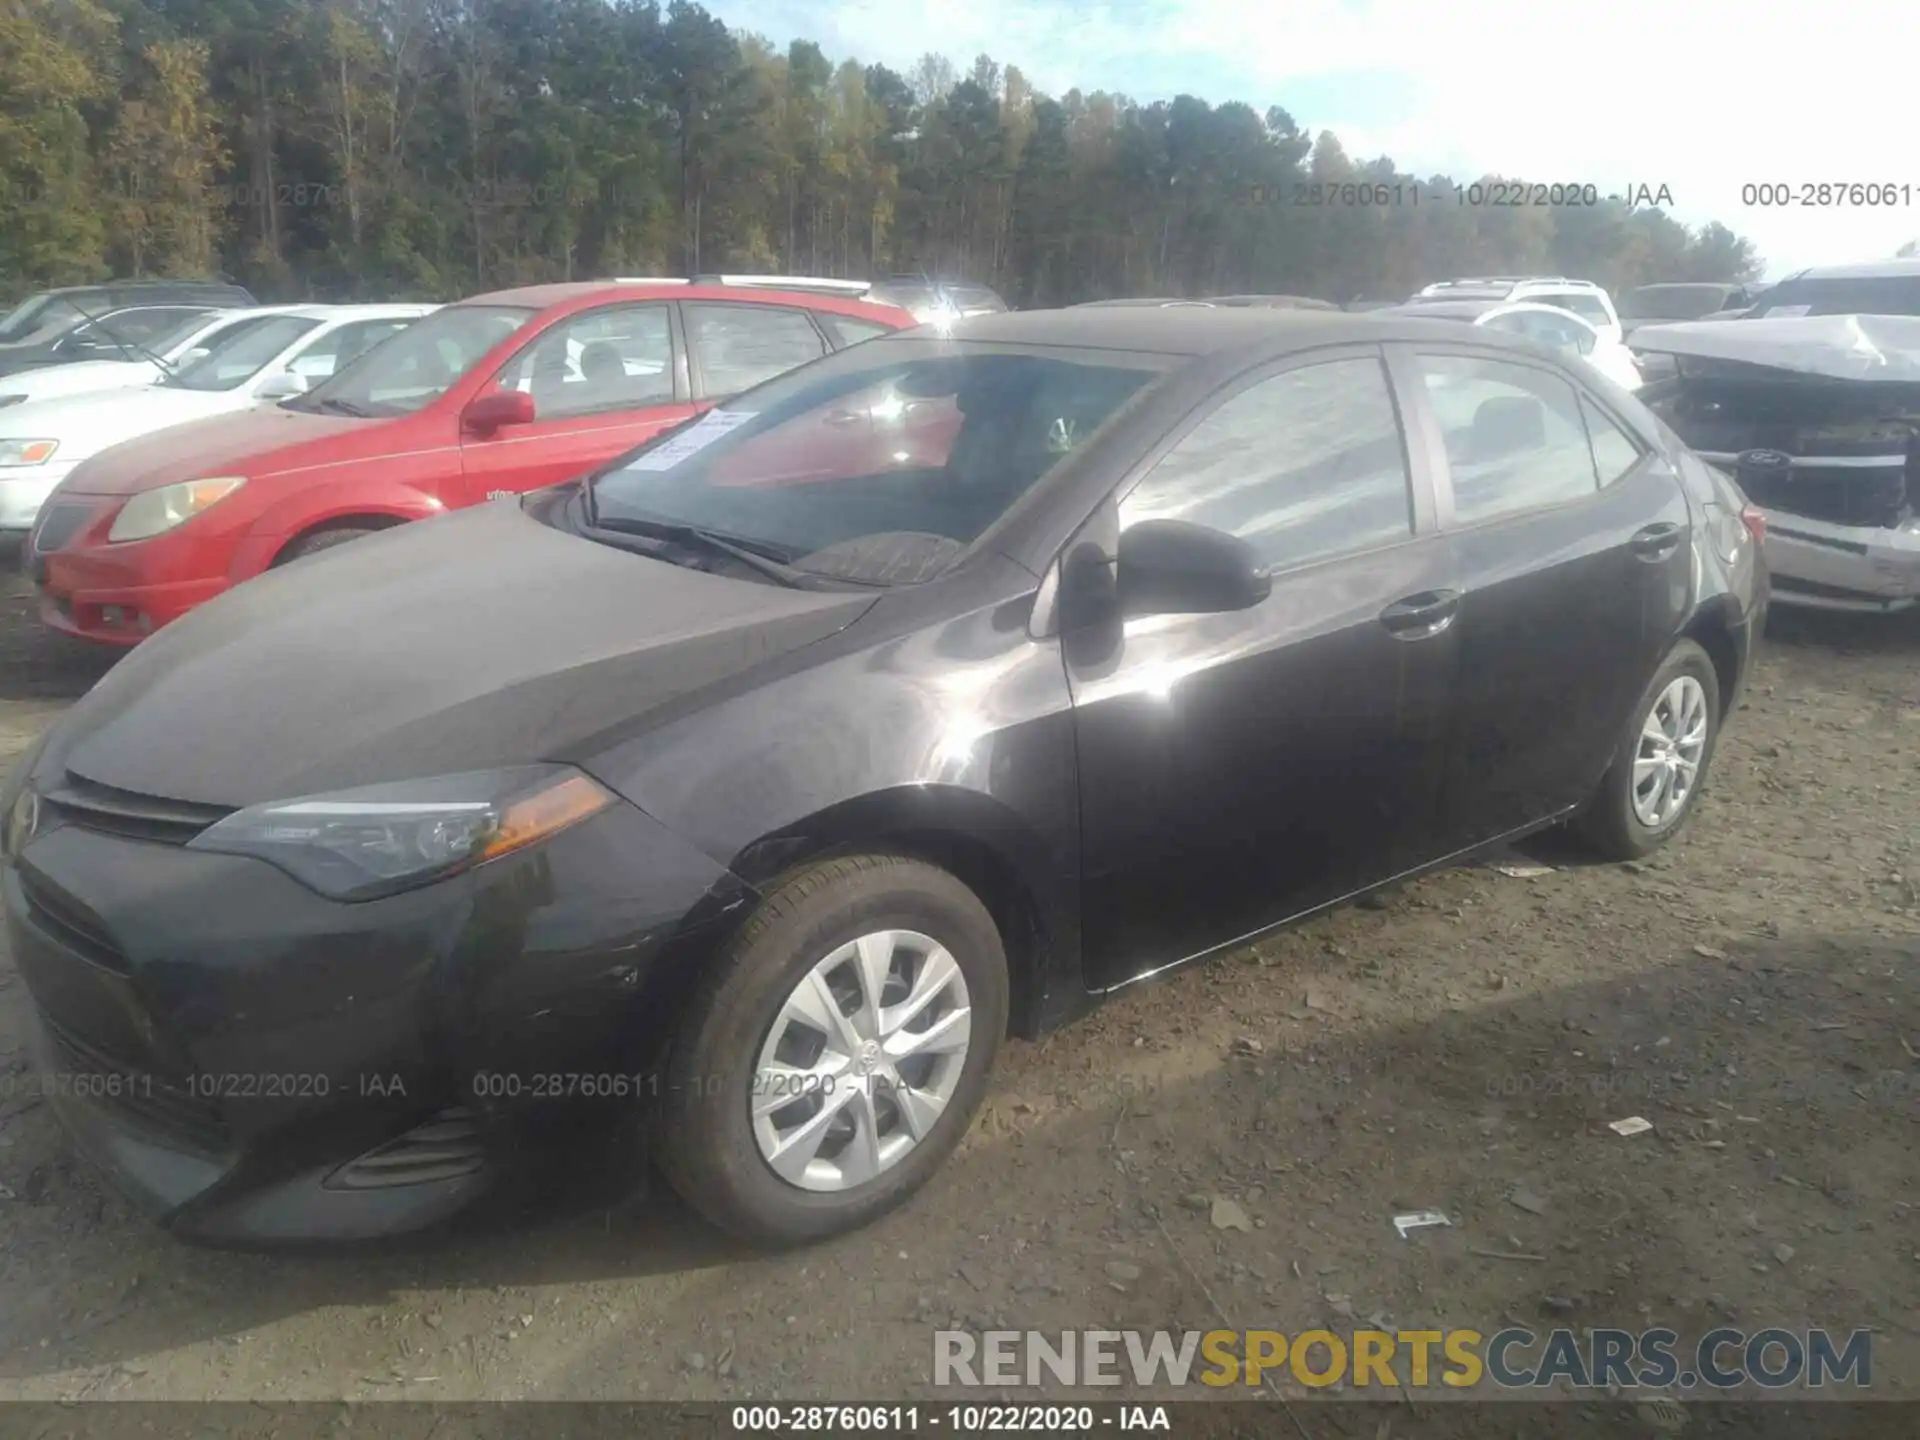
115	594
254	1064
24	489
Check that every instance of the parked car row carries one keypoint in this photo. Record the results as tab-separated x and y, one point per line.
752	778
381	417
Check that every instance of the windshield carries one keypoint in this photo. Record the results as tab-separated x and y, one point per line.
237	358
1673	302
880	465
31	314
1841	295
420	364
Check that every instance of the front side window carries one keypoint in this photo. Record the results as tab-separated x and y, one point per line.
739	346
1841	295
424	361
237	358
341	346
881	464
1515	439
618	357
1307	464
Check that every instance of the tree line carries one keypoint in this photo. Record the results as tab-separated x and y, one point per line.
358	149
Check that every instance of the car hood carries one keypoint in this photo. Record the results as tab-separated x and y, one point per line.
87	424
79	378
466	642
237	442
1884	348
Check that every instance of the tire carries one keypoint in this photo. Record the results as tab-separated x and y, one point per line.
1612	827
708	1145
319	540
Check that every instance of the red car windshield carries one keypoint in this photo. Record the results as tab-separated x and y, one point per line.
419	365
878	466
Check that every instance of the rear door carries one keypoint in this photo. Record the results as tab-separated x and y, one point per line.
1573	549
1239	769
602	381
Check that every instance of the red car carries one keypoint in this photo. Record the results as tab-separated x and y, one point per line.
496	395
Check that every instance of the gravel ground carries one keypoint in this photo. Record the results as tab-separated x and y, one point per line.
1753	991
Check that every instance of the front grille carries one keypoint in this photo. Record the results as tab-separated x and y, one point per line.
71	923
57	525
87	1073
446	1147
93	806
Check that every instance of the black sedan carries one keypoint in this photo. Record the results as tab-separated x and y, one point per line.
753	789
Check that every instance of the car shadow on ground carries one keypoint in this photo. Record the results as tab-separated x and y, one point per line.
1784	1046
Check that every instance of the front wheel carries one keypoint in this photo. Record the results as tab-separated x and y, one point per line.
1662	761
835	1057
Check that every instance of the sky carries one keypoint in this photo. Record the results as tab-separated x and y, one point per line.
1703	97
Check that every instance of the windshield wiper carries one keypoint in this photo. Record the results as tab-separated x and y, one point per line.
132	349
336	407
767	559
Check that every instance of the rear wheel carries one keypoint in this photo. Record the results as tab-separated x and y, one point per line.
1662	760
837	1054
318	540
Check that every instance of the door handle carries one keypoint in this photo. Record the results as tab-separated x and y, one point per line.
1655	542
1419	616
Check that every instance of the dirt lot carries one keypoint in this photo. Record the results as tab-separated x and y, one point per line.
1754	992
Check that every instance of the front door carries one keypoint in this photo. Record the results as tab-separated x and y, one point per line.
602	382
1239	769
1575	565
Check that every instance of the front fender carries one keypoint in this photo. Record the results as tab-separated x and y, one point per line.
300	512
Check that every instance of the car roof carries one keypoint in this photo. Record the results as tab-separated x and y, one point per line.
584	294
351	312
1184	330
1687	285
103	285
1864	270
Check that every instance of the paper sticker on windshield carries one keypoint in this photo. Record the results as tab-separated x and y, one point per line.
692	440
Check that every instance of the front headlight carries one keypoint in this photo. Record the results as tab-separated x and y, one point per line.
27	452
19	806
363	843
157	511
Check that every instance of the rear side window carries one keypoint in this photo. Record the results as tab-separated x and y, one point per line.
1304	465
1614	451
1515	438
738	346
1585	304
851	331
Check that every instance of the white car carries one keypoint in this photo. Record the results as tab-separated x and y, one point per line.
271	358
1589	301
1548	324
151	362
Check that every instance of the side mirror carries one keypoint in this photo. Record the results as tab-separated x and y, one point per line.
1172	567
283	386
496	410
